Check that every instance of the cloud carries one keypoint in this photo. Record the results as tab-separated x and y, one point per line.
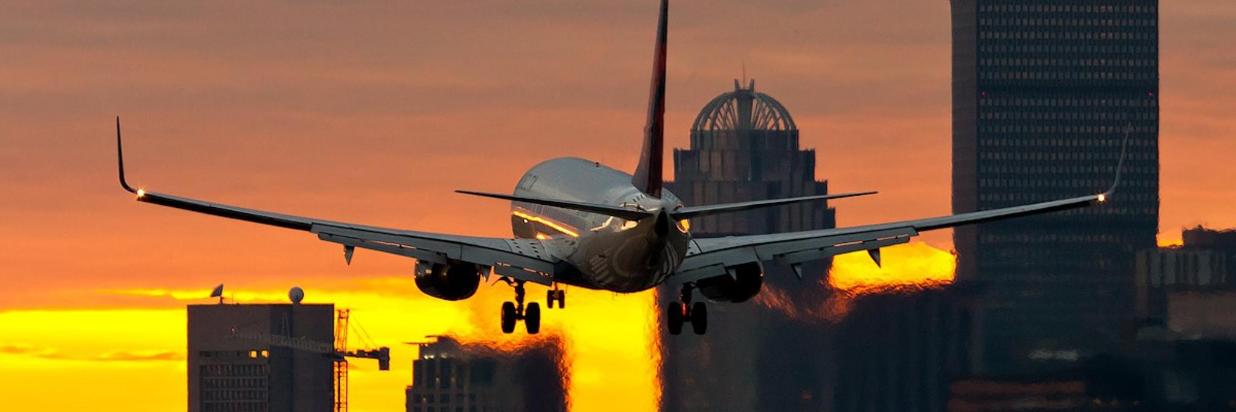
140	356
113	356
11	349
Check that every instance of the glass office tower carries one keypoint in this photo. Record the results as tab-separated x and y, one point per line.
1043	93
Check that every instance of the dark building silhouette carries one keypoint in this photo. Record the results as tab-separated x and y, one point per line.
899	352
261	358
1205	263
1148	376
744	146
1042	93
449	376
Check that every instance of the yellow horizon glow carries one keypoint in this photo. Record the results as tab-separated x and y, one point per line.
915	264
609	341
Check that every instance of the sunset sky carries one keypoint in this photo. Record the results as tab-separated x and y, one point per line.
374	112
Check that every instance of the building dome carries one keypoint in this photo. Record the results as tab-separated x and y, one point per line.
743	109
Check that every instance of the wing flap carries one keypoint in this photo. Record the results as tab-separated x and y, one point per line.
710	257
809	254
532	264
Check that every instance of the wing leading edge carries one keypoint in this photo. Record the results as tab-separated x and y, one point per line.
523	259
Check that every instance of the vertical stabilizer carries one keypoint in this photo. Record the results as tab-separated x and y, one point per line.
648	175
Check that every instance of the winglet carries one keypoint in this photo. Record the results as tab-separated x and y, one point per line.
1124	151
648	174
120	161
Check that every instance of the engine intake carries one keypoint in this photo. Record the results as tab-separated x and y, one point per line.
453	280
745	283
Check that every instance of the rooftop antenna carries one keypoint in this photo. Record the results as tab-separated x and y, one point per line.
217	292
744	72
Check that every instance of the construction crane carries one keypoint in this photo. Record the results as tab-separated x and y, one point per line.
341	355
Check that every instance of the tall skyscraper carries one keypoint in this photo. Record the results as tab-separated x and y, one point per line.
744	146
1043	91
261	358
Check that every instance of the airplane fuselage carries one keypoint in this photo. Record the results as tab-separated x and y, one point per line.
603	252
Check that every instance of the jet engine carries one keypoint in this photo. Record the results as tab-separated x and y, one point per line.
742	284
453	280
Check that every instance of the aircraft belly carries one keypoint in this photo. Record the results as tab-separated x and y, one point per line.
627	262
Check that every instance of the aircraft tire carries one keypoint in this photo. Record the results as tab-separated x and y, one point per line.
508	317
699	318
674	317
532	318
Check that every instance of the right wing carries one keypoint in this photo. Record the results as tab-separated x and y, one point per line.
522	259
717	256
710	257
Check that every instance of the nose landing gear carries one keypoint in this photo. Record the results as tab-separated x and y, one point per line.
679	313
555	294
513	312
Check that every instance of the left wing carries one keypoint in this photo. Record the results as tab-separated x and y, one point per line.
710	257
522	259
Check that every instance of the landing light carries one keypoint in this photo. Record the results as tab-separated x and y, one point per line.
141	193
628	225
1102	197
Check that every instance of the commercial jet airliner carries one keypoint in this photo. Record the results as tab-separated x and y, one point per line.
580	223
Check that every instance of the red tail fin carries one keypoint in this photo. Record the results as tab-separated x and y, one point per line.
648	175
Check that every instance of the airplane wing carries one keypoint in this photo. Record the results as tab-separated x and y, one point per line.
522	259
711	257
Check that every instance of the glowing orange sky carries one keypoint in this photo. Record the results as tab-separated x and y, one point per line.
375	112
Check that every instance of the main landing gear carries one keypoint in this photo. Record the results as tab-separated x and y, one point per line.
678	313
516	311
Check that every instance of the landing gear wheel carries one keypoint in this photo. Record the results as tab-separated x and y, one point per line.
674	316
532	318
699	318
508	317
555	295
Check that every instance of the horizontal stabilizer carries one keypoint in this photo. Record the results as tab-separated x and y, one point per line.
696	211
607	210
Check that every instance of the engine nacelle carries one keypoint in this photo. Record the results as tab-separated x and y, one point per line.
745	284
454	280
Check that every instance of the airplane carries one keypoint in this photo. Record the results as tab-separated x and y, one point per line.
580	223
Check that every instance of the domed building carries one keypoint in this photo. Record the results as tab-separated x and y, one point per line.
744	146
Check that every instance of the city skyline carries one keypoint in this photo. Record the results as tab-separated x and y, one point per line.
213	115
